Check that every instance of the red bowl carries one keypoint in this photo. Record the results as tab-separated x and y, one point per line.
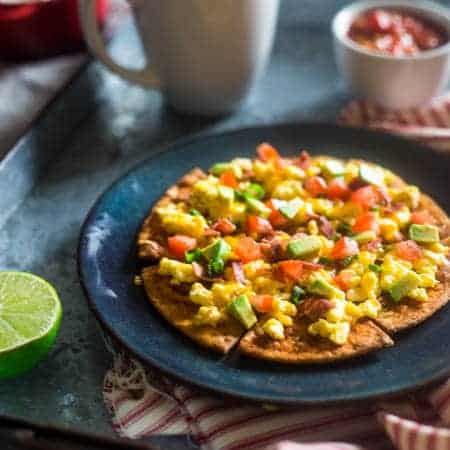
42	28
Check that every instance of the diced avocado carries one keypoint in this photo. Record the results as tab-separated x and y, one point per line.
304	247
371	175
333	168
217	250
258	207
220	167
321	287
425	234
404	286
226	193
365	236
254	190
241	309
290	209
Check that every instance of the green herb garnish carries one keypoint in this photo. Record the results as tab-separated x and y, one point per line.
215	267
345	262
375	268
195	212
326	261
193	255
345	229
297	295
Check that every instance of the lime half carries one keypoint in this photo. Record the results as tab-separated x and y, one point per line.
30	316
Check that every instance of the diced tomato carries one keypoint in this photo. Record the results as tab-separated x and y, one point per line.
344	247
180	244
366	222
366	197
379	21
292	269
343	280
276	218
267	152
258	225
262	303
248	250
228	179
422	217
338	188
316	186
304	160
224	226
408	250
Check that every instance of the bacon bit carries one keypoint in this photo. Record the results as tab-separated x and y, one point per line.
385	197
151	250
274	249
199	272
198	269
307	265
211	232
224	226
325	227
315	308
357	183
374	245
304	160
238	272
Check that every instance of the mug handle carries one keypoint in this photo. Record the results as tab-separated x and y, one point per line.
145	77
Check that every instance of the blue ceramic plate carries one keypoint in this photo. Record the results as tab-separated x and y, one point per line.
107	265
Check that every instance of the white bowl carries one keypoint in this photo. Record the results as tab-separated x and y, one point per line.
393	82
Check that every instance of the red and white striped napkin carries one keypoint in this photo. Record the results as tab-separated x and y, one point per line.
429	124
144	402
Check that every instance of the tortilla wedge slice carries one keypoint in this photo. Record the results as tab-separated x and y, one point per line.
179	312
300	347
399	316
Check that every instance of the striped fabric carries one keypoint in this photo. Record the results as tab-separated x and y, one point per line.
143	402
429	125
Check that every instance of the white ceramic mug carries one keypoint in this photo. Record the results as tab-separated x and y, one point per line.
204	55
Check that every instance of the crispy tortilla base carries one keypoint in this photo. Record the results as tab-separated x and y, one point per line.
409	313
300	347
179	311
151	230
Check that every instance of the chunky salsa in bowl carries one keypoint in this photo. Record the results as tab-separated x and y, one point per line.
395	53
396	32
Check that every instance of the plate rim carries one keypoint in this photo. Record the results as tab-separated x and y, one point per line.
146	360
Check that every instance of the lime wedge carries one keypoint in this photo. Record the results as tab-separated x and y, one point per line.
30	316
